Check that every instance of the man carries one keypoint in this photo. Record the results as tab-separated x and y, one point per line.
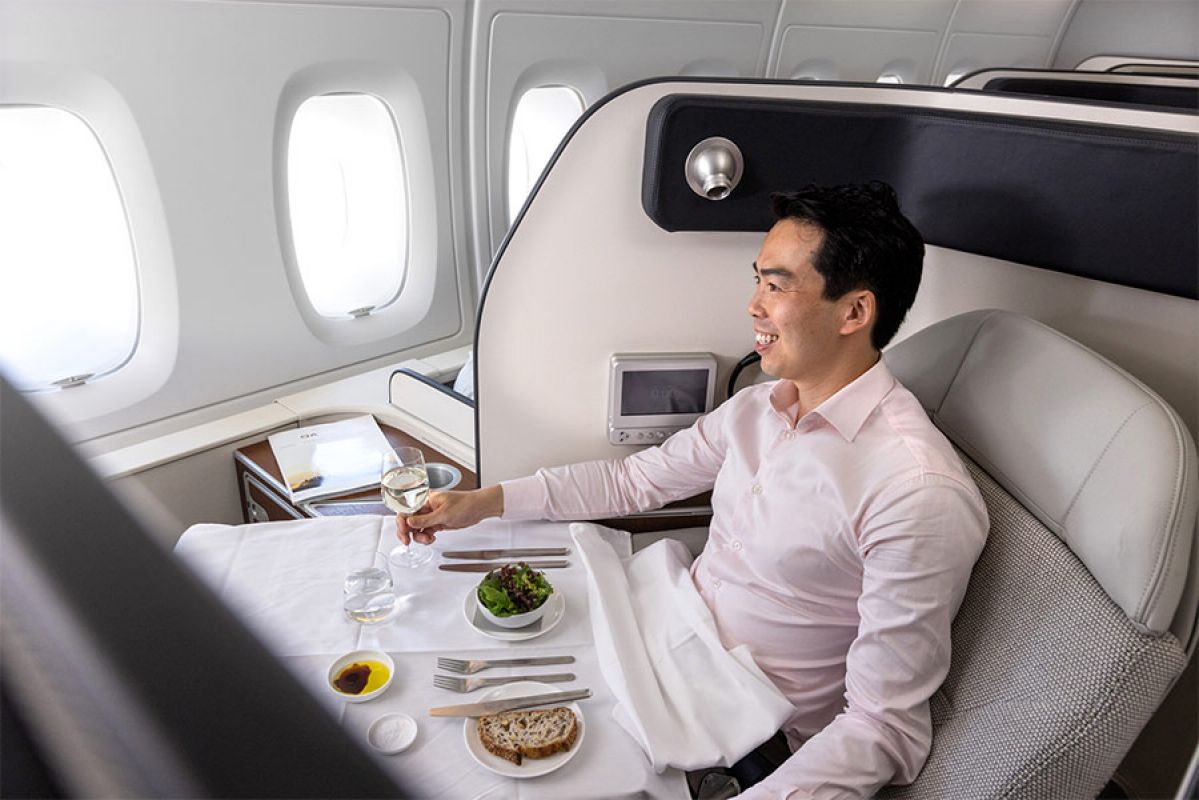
844	526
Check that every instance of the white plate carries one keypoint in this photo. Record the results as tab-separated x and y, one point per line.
555	608
530	767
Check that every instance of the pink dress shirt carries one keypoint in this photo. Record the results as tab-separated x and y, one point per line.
839	551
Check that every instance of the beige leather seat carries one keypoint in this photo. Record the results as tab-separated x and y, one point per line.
1081	611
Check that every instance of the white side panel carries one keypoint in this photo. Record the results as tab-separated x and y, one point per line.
1161	28
997	33
860	41
524	44
209	89
586	274
855	54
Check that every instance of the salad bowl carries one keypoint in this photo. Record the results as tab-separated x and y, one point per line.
503	594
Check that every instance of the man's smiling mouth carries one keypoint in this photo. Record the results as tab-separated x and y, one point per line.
766	338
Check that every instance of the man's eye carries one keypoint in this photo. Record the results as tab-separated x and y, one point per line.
772	287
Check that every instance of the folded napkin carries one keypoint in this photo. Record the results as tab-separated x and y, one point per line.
688	701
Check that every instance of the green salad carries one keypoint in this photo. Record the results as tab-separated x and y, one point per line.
514	589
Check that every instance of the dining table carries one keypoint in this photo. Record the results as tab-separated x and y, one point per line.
284	580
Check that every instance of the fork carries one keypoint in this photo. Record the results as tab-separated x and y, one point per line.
470	684
471	667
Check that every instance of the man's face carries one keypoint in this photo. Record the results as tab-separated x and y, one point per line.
797	329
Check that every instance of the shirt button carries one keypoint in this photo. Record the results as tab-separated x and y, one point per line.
757	488
716	583
736	544
789	435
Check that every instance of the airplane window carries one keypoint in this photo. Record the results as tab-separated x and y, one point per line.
69	310
348	201
543	116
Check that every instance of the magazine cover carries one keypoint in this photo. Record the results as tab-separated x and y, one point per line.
330	459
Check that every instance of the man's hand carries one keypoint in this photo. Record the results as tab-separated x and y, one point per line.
449	511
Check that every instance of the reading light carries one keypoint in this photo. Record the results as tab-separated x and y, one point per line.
714	168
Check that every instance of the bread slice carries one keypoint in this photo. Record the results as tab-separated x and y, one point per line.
515	735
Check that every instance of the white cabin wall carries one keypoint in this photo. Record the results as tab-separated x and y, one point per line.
593	48
1158	29
193	100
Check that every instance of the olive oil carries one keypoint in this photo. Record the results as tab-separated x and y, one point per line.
361	677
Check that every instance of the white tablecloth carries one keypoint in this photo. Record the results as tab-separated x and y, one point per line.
285	581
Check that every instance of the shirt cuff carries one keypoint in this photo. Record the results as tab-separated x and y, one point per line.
524	499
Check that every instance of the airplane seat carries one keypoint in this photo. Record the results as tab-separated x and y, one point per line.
1081	611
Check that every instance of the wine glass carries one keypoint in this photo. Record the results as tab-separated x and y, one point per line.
405	486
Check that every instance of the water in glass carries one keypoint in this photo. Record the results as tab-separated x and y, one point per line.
369	594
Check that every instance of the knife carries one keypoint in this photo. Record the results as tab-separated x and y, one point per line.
488	566
511	703
517	552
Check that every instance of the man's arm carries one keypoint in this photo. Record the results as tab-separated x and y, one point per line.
918	549
685	464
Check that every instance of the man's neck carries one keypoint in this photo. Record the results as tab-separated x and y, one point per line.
815	391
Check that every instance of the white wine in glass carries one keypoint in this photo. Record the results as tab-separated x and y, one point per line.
405	486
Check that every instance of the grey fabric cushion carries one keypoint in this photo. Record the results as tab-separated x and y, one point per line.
1050	682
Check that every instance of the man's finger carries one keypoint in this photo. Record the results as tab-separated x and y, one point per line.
402	529
421	521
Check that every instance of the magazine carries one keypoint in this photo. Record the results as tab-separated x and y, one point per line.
330	459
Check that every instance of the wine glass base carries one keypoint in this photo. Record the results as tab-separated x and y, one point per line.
410	556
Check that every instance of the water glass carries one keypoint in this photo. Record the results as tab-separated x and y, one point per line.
368	591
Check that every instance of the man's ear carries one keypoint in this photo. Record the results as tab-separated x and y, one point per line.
858	311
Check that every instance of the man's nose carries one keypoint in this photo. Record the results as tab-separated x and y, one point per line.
755	305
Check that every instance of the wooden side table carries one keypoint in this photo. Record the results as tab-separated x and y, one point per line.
264	497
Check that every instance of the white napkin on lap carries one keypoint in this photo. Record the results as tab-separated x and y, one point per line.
687	701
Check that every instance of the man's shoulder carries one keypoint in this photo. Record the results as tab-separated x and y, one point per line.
924	450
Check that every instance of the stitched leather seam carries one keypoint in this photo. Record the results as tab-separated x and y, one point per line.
1165	557
1099	460
962	361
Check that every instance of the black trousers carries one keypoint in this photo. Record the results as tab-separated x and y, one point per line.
753	768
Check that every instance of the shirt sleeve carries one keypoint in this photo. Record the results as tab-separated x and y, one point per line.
683	465
918	548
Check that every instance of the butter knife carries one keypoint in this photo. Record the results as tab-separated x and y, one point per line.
488	566
509	704
516	552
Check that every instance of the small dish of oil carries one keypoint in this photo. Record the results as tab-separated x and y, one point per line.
361	675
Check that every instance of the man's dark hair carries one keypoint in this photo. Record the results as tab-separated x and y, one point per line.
868	244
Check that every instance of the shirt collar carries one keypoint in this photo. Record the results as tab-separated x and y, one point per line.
848	409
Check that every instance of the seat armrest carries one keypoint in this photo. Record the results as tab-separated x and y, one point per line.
433	404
